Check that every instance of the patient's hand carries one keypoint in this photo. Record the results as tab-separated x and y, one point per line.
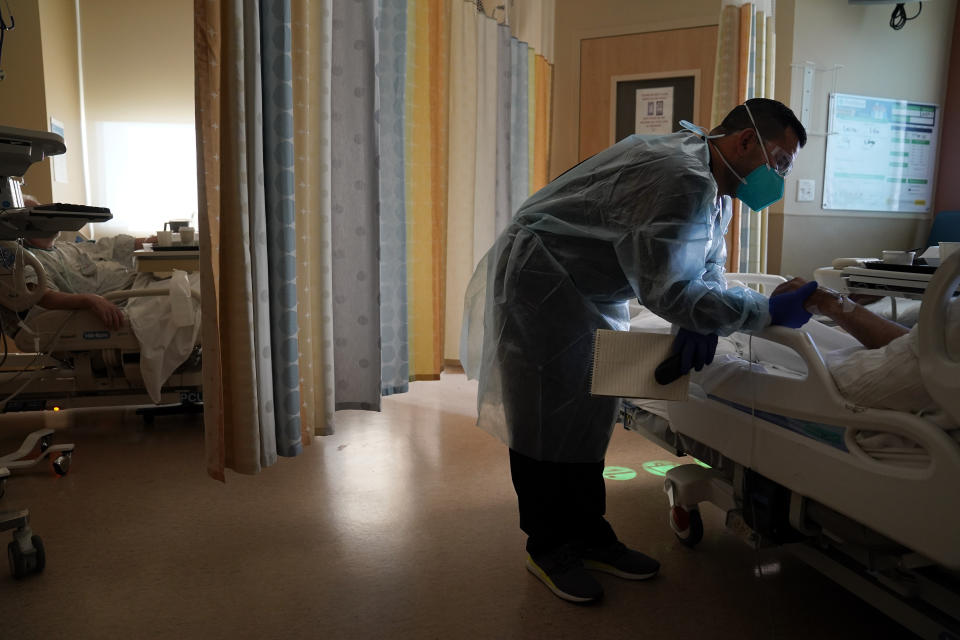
788	286
109	313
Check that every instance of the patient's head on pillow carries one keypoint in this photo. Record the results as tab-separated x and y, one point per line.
41	242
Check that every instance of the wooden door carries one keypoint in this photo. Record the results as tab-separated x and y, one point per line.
658	54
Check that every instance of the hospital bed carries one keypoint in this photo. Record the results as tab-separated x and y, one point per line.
60	359
72	360
19	148
787	465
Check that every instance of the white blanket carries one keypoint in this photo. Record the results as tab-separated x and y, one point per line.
167	327
849	363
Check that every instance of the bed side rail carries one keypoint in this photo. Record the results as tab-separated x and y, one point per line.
939	368
818	397
115	296
766	282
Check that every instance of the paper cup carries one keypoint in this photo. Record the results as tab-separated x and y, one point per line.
188	236
165	238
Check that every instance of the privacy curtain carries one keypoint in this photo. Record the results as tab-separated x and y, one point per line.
266	186
241	425
500	99
391	77
356	158
426	121
355	206
312	39
744	69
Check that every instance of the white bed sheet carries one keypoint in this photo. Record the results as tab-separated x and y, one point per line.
167	337
735	352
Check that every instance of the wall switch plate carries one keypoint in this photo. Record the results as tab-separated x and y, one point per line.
805	190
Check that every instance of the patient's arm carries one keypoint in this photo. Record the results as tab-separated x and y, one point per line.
109	313
870	329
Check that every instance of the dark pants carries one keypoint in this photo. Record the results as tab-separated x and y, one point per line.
560	503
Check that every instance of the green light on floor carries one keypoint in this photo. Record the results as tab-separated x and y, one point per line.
619	473
702	464
659	467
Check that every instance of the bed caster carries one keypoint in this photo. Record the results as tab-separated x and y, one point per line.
61	464
23	563
687	525
45	442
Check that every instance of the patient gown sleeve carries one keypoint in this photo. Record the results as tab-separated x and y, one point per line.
672	253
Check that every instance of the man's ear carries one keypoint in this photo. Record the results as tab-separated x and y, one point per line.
745	139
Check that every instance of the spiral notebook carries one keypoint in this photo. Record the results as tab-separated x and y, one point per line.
624	362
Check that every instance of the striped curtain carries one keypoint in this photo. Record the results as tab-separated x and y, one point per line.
279	179
391	77
462	163
519	126
744	69
355	207
356	158
500	105
312	38
427	109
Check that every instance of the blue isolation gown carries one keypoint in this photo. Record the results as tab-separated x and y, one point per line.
641	219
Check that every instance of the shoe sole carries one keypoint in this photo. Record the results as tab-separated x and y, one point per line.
612	570
545	579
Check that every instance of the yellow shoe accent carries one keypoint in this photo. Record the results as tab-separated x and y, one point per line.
535	569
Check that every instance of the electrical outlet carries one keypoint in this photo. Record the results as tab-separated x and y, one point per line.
806	190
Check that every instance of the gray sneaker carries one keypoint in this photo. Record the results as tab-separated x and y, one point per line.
563	573
620	561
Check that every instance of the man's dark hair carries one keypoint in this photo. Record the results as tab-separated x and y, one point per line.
772	119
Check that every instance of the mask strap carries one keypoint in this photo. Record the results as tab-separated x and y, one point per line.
727	163
763	145
700	131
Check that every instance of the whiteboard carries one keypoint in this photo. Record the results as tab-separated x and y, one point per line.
881	154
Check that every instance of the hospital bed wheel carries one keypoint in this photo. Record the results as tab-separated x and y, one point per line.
40	559
45	442
18	567
687	525
23	564
61	465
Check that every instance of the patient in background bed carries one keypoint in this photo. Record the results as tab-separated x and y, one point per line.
884	372
79	273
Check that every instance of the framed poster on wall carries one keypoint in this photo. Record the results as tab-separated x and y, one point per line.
881	154
652	104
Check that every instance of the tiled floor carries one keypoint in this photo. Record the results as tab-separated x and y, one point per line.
402	525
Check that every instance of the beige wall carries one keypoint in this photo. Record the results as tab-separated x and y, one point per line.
877	61
138	60
61	81
22	99
137	68
577	20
